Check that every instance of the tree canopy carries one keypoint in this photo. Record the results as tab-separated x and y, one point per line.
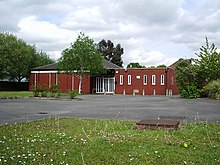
17	58
82	57
111	53
186	78
161	66
135	65
208	63
194	77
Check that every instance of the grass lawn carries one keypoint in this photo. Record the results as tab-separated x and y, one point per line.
92	141
15	94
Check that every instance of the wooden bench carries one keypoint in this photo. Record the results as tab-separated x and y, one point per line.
155	124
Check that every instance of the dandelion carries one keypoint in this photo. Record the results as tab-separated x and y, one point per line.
155	152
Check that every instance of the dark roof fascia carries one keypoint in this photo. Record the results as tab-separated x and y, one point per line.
52	66
107	65
143	68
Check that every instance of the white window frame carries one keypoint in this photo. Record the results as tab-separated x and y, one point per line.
162	79
57	80
153	79
49	77
145	79
129	79
172	80
121	80
35	80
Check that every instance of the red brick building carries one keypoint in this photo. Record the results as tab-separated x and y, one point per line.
131	81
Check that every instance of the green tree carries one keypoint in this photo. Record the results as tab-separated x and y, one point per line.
135	65
17	58
186	78
208	64
83	57
43	59
161	66
152	66
111	53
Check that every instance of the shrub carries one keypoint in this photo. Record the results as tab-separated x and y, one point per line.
54	90
40	90
73	94
44	91
36	90
211	90
189	91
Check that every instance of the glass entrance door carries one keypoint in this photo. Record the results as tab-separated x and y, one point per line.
105	85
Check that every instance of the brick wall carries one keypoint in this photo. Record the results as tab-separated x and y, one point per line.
66	82
137	83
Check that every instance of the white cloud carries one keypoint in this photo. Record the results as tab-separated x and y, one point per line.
151	32
154	58
48	36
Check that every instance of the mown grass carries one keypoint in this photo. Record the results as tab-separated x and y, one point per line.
92	141
15	94
22	94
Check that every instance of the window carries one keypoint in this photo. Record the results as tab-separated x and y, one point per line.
162	79
153	79
145	80
129	79
172	80
49	77
121	79
35	80
57	80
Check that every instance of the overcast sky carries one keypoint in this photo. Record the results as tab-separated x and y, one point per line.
152	32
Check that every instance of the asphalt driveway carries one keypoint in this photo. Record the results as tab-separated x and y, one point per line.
111	107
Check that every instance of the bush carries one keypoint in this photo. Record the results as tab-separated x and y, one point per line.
189	91
40	90
73	94
211	90
54	90
44	90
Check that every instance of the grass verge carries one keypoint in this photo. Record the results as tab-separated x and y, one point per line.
92	141
15	94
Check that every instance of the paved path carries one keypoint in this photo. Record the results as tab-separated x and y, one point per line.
114	107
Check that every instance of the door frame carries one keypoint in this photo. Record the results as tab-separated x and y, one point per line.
101	84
